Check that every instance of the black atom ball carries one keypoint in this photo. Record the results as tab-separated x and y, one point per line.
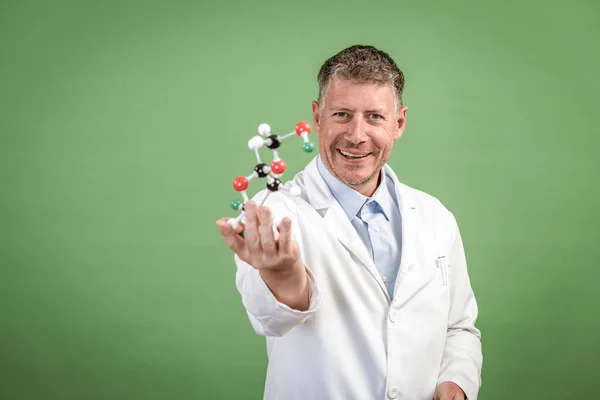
260	170
274	142
273	186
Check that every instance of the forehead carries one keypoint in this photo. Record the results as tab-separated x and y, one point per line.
352	94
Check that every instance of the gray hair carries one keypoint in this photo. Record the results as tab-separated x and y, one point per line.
361	64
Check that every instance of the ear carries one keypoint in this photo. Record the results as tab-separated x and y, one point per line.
400	122
316	111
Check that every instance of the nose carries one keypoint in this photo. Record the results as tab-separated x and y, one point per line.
357	130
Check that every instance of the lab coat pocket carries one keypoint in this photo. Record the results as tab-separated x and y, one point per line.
441	270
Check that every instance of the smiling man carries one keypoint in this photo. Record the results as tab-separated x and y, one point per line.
364	293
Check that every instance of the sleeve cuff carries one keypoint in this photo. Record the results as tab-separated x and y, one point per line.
275	317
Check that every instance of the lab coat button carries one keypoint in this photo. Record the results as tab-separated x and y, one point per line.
393	316
393	392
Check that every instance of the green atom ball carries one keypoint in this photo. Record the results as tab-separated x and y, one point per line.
235	204
308	147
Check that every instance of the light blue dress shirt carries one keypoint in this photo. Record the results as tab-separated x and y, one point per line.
377	221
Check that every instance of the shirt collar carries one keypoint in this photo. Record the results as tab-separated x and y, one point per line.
385	195
352	201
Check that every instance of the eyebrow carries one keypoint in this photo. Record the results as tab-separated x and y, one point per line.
376	111
370	111
336	107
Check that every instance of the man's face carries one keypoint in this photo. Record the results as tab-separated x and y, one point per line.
357	128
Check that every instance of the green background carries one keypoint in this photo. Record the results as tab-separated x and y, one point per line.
123	123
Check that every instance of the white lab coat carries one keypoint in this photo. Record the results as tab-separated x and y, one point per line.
352	342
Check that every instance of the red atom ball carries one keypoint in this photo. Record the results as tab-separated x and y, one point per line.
278	167
240	183
302	126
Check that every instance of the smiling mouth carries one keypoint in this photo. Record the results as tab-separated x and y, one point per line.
352	156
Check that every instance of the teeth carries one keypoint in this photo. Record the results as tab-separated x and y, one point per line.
352	155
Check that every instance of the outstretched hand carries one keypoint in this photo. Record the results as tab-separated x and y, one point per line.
262	246
275	255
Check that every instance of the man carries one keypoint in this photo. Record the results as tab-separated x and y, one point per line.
364	293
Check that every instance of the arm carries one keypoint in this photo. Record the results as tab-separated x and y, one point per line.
268	315
462	359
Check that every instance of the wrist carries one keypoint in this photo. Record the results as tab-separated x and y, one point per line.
290	286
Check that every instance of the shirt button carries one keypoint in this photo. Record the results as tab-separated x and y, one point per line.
393	392
392	316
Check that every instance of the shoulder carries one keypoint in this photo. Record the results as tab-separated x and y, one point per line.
434	221
428	207
278	200
423	199
282	201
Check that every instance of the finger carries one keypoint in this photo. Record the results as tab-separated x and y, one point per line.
251	232
223	226
239	228
238	245
267	241
285	236
231	238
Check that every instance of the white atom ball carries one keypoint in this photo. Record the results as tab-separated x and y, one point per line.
233	223
256	143
264	129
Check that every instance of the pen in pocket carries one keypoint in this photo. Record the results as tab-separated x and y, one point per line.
441	263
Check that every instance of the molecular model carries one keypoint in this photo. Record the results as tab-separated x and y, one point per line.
272	172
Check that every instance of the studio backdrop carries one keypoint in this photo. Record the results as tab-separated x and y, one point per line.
123	124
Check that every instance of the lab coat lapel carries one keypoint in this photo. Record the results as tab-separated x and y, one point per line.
336	220
338	223
408	212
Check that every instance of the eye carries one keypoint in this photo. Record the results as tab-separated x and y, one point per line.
376	116
341	114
